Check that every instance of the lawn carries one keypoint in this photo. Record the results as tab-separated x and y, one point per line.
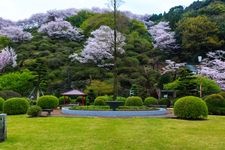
61	133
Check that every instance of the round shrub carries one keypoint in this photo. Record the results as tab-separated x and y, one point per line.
1	104
34	111
134	101
100	101
121	99
190	107
216	104
222	94
64	100
150	101
14	106
48	102
163	101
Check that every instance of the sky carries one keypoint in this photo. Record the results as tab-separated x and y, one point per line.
21	9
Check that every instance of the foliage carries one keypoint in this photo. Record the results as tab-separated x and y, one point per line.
100	87
97	20
121	99
174	15
134	101
190	86
91	95
64	100
216	104
191	107
34	111
48	102
79	18
15	106
1	104
222	93
100	100
6	94
20	82
150	101
4	42
198	33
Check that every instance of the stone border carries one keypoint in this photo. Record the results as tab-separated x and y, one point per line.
160	112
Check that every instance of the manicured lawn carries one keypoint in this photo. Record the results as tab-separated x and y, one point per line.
59	133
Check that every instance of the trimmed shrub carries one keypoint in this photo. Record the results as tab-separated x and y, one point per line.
48	102
34	111
134	101
14	106
6	94
121	99
1	104
100	101
64	100
163	101
150	101
190	107
222	94
216	104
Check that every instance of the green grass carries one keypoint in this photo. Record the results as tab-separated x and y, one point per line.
59	133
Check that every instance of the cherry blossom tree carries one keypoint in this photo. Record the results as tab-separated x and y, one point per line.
7	57
214	67
38	19
172	66
15	33
100	46
61	29
5	23
163	36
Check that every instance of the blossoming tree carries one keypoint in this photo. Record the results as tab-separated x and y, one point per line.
214	67
7	57
15	33
163	36
61	29
100	46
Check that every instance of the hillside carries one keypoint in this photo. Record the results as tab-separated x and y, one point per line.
45	42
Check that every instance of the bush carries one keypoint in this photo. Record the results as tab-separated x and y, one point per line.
6	94
1	104
163	101
79	99
150	101
34	111
190	107
48	102
134	101
222	94
216	104
14	106
100	101
121	99
64	100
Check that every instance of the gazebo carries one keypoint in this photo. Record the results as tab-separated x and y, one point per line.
75	93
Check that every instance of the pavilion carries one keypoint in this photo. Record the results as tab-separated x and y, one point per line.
75	93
